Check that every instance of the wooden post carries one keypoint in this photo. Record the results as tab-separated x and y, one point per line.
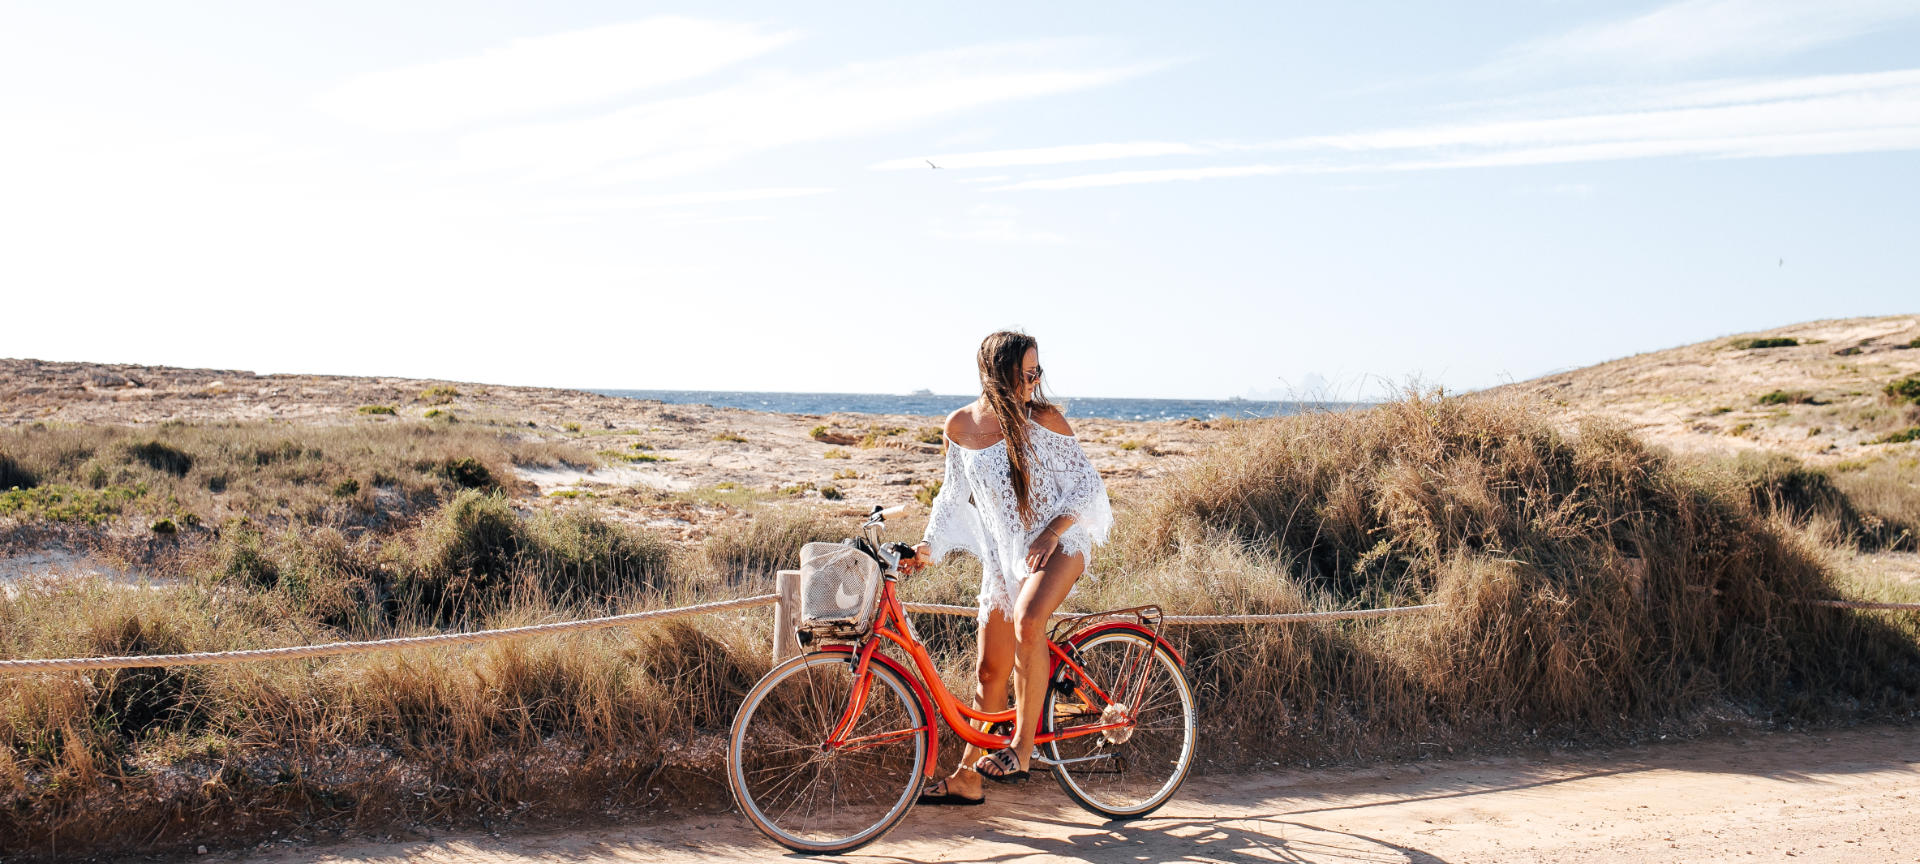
786	614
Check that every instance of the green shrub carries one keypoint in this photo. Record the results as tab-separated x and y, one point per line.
640	445
444	416
1740	429
1721	410
388	410
286	450
570	426
730	436
626	456
163	527
817	433
1905	389
1787	397
929	435
831	493
582	558
462	556
58	502
465	472
1901	437
846	474
836	453
161	457
242	556
346	488
874	433
752	552
438	394
926	492
1770	342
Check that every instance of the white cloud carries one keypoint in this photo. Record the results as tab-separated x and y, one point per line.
1740	119
1701	31
1043	155
582	67
995	224
682	199
690	134
1161	175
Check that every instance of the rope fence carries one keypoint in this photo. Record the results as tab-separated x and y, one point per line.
787	609
337	649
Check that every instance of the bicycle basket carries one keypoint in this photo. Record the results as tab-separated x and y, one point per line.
839	589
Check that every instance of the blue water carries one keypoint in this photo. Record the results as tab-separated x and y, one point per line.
938	406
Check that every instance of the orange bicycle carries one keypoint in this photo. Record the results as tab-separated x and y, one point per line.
831	749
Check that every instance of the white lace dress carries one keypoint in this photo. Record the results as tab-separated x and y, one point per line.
976	510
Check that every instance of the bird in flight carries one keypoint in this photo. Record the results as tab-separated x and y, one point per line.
1783	262
931	165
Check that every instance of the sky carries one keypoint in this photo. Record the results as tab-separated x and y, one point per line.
1195	200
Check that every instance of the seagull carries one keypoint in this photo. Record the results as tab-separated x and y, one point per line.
931	165
1783	262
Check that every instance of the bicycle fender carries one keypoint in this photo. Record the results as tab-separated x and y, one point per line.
927	711
1098	629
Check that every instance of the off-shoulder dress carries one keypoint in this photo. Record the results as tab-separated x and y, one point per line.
976	511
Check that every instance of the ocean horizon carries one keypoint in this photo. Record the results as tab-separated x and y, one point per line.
939	405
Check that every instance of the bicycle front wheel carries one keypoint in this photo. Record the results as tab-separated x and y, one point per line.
811	798
1135	764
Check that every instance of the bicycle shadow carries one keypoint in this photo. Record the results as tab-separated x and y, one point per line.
1242	839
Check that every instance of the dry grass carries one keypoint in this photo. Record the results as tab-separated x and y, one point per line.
365	474
1595	589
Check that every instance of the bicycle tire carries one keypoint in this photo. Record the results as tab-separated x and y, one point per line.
1141	773
754	767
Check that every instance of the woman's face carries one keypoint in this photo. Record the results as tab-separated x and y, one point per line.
1029	374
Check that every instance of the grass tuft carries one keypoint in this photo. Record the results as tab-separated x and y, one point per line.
1770	342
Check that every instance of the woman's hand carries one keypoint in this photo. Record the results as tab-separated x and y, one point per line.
1041	549
922	557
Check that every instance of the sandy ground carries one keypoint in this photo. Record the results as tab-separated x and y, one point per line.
864	458
1705	397
1844	795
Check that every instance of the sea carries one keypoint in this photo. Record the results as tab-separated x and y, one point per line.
935	405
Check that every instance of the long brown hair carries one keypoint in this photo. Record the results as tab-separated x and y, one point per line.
1001	356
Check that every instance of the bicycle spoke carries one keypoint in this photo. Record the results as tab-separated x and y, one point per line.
1142	760
814	798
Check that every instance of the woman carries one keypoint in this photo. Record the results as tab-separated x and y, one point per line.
1019	495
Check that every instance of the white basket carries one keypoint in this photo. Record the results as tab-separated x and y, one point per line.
839	589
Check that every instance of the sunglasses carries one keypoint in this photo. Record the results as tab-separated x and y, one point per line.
1032	376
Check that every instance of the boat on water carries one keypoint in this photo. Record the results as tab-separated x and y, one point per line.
921	392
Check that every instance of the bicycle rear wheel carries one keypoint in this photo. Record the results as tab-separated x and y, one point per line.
1129	771
811	799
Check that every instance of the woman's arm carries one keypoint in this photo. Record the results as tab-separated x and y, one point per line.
953	524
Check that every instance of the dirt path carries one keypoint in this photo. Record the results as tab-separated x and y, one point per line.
1840	796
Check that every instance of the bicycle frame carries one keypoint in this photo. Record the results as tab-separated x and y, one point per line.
892	625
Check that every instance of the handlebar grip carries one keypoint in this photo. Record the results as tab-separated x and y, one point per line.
892	510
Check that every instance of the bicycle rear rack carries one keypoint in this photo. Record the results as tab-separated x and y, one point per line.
1066	628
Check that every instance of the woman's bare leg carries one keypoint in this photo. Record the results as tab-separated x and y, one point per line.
1039	596
991	668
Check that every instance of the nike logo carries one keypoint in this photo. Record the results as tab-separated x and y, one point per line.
847	599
